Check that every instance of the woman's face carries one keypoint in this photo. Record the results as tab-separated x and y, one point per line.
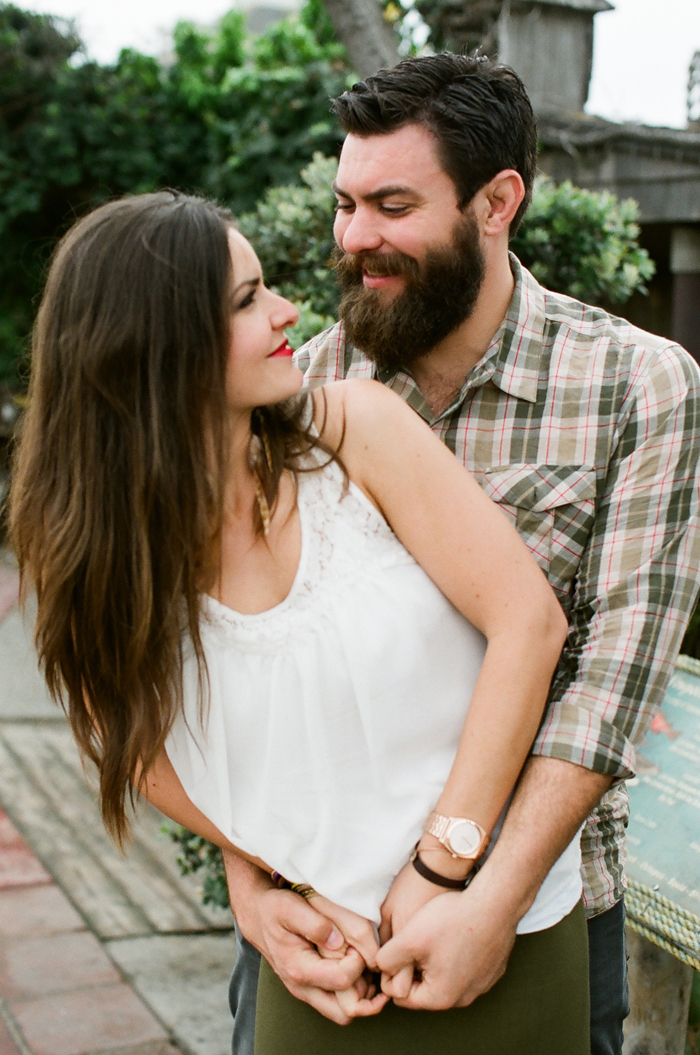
260	368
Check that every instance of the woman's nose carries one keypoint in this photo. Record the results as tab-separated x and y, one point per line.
284	313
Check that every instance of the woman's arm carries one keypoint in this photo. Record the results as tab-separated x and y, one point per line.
163	789
475	556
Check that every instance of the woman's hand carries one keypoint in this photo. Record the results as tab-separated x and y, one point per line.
361	1000
408	894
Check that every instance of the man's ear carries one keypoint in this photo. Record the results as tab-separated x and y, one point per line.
500	200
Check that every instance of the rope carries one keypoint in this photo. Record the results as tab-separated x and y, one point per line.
687	663
665	924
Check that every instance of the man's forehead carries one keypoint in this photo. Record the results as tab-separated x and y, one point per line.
406	158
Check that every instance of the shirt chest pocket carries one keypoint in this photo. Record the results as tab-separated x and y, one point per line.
553	507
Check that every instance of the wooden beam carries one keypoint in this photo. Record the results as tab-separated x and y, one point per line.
659	1000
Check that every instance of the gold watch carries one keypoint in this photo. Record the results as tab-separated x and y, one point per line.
464	839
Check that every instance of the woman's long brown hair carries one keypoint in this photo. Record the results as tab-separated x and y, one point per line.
116	503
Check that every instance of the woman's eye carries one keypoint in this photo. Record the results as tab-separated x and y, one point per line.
247	300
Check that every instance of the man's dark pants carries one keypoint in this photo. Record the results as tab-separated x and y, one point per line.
608	980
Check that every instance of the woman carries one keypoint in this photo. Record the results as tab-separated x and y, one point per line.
270	614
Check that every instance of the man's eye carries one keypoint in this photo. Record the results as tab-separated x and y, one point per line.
342	206
394	210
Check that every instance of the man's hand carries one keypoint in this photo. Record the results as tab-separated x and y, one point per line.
459	943
287	930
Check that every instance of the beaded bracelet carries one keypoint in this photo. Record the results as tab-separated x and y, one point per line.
302	889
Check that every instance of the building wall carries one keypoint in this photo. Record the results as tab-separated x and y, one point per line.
551	49
663	180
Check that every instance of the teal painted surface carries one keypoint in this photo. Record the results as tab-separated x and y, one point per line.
663	839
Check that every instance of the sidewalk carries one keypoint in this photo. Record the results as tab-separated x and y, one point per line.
100	953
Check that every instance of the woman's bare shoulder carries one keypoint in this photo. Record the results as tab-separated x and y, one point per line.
347	410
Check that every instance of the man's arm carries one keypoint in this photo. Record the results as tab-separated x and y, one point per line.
462	942
635	592
637	581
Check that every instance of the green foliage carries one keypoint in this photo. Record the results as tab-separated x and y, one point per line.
32	48
315	17
583	243
291	230
231	116
196	853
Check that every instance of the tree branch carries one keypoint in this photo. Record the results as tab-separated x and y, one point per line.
369	40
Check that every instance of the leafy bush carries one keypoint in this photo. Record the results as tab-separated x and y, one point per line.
291	230
230	116
583	243
196	853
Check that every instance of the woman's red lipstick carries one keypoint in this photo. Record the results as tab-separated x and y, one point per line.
284	351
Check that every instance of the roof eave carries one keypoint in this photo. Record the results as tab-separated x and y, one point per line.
593	6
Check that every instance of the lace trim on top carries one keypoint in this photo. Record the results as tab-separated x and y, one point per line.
343	538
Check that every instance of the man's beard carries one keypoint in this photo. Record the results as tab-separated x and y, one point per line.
437	297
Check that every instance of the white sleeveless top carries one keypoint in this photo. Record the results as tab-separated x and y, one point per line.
334	717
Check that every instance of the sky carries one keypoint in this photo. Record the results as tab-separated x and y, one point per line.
640	65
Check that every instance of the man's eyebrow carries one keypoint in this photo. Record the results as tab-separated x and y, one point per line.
376	195
254	282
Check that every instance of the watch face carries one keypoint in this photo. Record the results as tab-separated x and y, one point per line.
465	839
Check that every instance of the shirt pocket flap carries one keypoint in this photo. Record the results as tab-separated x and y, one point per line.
540	487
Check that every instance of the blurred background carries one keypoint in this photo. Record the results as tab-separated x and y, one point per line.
231	101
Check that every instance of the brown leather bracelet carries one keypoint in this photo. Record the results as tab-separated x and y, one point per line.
435	877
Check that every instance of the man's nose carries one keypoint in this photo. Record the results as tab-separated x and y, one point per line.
357	232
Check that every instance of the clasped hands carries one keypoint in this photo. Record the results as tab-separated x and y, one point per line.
439	948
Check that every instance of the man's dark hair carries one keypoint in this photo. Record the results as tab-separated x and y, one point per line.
479	113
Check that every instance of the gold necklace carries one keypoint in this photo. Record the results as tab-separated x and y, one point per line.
263	507
260	449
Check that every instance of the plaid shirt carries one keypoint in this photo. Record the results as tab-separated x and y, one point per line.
586	432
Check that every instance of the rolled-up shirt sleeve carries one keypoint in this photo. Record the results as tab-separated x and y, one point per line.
638	578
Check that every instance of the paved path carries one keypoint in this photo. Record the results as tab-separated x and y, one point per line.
100	953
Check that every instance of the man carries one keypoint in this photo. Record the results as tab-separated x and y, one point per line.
584	430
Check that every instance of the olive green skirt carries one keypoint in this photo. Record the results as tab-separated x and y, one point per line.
539	1007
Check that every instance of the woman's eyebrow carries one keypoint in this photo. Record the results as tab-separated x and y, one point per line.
254	282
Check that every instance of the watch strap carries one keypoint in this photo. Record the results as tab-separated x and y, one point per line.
435	877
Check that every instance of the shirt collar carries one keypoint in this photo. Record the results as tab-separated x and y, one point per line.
512	361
